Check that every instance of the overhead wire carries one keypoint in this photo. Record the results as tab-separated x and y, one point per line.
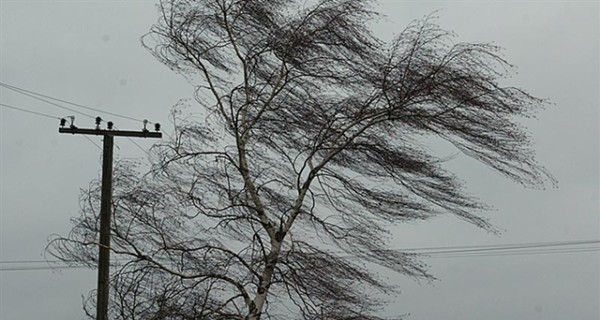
41	268
92	141
32	93
557	247
513	253
34	96
135	143
44	115
29	111
490	250
37	95
472	248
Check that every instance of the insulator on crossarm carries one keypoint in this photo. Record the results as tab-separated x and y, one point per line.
63	121
145	124
157	126
109	125
98	121
72	122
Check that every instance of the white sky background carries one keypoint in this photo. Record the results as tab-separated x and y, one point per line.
89	52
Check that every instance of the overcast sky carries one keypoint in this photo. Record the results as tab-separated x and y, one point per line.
89	52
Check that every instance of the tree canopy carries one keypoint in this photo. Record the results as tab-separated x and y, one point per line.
279	201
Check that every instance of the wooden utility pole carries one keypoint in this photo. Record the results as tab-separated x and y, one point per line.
105	202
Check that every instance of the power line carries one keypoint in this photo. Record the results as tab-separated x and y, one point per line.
31	92
432	251
50	261
135	143
43	115
514	253
466	249
29	111
92	141
41	268
34	96
424	250
447	252
55	117
37	95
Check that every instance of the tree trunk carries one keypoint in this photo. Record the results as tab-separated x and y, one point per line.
258	303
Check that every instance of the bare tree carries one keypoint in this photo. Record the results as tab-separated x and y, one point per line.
279	204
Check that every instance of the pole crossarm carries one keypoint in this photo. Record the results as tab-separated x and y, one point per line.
113	133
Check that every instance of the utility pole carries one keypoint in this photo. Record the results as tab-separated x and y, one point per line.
106	198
